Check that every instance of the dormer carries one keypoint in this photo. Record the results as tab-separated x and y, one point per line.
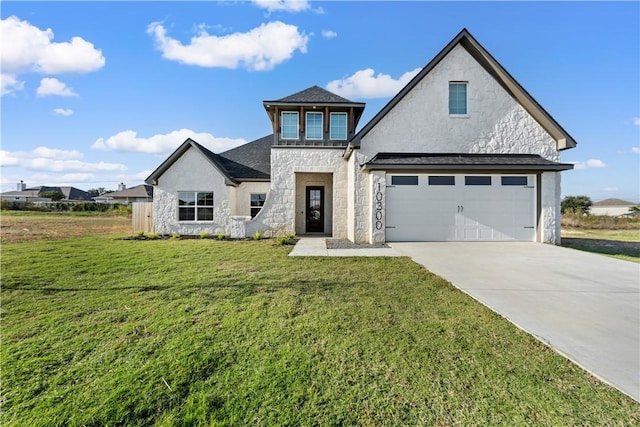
313	117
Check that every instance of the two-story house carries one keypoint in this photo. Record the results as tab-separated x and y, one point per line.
462	152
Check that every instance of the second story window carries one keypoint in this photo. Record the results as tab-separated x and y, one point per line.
289	125
338	126
457	98
314	125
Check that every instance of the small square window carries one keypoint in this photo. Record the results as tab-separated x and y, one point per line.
404	180
442	180
338	126
257	202
289	125
457	98
314	125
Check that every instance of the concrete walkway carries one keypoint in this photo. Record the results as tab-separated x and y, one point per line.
317	246
585	306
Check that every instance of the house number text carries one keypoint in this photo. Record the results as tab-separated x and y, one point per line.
378	208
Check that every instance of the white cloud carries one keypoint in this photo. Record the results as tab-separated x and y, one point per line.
260	49
282	5
54	160
636	121
50	86
365	84
129	141
635	150
328	34
63	111
589	164
32	50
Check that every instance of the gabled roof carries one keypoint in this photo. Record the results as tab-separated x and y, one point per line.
493	67
139	191
452	161
613	202
68	193
229	163
313	95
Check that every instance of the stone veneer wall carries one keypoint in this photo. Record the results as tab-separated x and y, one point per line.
495	123
191	172
278	215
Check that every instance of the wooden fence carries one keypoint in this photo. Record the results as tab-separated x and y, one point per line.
142	217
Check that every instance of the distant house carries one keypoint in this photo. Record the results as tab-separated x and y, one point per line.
34	194
139	193
611	207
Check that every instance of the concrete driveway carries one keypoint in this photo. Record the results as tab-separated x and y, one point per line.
586	306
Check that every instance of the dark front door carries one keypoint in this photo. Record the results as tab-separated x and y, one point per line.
315	210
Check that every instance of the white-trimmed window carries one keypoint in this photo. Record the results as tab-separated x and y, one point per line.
314	125
195	206
257	202
289	121
458	98
338	126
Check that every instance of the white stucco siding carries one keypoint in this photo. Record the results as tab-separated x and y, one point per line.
496	122
242	205
191	172
278	215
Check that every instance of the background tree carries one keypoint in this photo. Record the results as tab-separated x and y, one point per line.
576	205
54	195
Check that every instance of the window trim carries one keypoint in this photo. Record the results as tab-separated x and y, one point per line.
258	207
306	118
466	99
282	114
196	206
346	126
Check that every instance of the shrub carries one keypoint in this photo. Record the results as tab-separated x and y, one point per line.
221	236
175	236
257	235
153	236
204	235
140	233
288	239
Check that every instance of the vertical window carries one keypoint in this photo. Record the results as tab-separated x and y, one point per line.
289	125
314	126
195	206
257	202
457	98
338	126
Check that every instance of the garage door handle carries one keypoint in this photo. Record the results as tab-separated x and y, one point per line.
460	208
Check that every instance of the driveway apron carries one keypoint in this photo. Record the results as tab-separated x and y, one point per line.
586	306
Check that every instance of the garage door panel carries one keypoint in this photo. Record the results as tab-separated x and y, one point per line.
461	212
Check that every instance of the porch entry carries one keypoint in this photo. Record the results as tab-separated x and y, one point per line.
315	210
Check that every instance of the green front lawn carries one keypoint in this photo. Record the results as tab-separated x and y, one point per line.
99	331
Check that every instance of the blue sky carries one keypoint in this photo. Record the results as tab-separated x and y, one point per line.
98	93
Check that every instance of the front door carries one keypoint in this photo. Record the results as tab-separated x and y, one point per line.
315	210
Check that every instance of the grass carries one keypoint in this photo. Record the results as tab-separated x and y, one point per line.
622	244
104	331
26	226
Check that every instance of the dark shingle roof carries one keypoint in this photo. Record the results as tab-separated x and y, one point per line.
249	161
139	191
432	161
314	94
